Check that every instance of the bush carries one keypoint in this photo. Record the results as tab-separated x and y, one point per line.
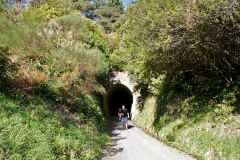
4	60
62	52
6	65
35	16
193	41
52	93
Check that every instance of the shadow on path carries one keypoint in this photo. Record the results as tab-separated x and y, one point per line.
134	144
115	127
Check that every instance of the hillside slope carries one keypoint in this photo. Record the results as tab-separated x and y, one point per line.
37	129
205	135
184	57
52	74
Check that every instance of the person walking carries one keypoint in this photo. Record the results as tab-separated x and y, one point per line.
124	116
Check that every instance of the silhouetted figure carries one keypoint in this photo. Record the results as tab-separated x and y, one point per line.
124	116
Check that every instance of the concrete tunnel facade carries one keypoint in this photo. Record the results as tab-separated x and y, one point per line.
121	91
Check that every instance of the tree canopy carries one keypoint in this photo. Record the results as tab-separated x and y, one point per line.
199	38
105	12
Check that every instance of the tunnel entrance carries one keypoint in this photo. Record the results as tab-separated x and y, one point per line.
117	96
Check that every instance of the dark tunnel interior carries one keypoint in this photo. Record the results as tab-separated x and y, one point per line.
117	96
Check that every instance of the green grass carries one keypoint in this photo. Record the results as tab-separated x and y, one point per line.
204	135
63	63
37	130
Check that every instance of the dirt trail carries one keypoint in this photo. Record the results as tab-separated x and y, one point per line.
134	144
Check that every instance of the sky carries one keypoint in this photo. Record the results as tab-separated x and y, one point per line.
125	2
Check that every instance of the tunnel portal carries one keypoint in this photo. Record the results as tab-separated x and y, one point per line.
117	96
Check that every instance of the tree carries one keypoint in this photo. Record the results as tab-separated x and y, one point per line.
12	8
4	4
110	13
104	12
88	7
190	40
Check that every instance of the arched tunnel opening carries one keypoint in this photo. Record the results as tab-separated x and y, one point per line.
117	96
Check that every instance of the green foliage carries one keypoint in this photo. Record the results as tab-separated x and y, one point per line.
6	65
42	14
5	3
62	52
203	129
4	60
10	32
37	11
87	7
222	109
192	41
37	130
231	95
61	63
12	9
184	56
105	12
110	13
63	7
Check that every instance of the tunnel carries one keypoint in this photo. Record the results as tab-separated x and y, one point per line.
117	96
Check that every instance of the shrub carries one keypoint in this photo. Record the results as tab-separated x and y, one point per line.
4	60
6	65
42	14
193	41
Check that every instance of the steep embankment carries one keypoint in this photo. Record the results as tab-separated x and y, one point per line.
184	56
205	135
49	79
38	129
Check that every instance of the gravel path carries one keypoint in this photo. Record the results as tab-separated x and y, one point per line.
134	144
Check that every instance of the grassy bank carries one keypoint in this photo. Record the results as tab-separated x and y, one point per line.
51	75
205	135
38	130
